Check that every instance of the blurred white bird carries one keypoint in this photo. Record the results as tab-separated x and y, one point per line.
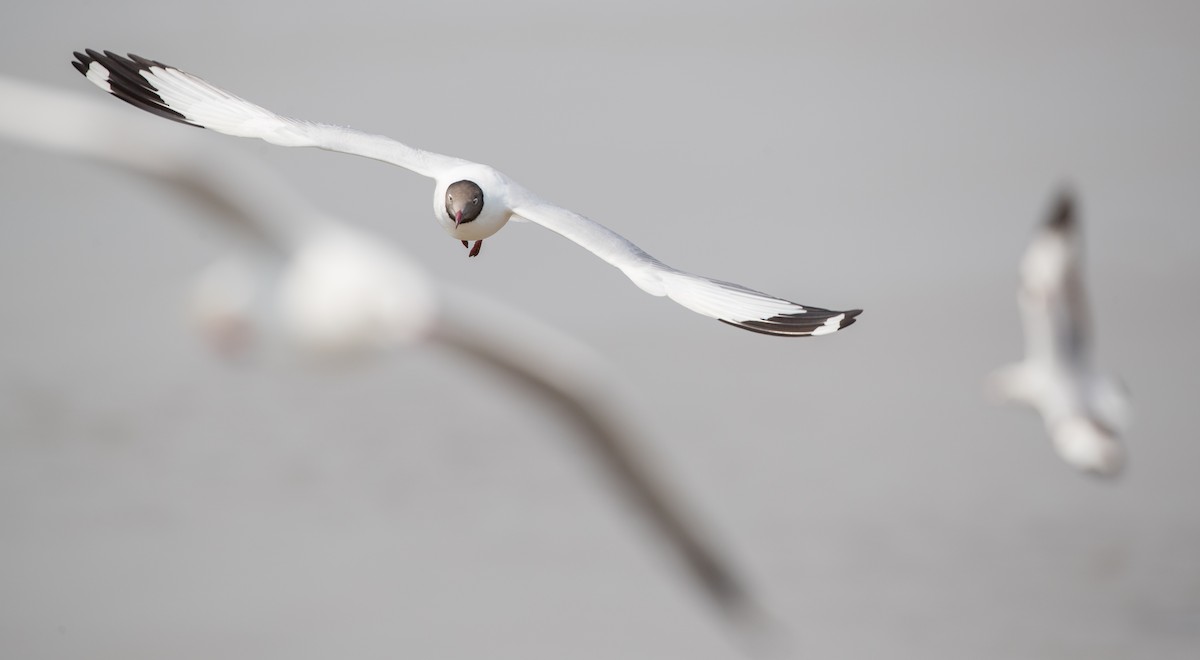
338	291
471	201
1084	411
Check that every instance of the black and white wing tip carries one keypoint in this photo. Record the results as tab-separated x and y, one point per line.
813	321
129	79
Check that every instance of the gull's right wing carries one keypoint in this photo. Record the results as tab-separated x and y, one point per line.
179	96
1053	298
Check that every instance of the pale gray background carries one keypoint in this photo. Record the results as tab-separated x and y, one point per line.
155	503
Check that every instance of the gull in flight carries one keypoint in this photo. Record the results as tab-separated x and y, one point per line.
339	291
1084	411
470	200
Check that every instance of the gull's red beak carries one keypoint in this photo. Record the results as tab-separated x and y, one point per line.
457	219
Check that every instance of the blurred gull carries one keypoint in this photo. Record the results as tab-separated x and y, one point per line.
1084	411
339	291
471	201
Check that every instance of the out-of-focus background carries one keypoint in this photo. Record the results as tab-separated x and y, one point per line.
156	502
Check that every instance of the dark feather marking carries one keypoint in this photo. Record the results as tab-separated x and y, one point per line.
795	325
128	85
1062	217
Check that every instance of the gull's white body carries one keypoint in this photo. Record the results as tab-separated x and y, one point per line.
182	97
336	293
1083	410
344	292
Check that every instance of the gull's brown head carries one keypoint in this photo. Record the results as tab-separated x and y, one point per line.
464	201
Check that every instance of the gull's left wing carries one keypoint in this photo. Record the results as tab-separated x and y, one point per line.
727	302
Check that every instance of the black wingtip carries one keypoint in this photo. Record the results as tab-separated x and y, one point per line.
146	62
814	321
851	317
1062	213
125	81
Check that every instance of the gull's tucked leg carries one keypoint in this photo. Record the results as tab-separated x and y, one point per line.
466	244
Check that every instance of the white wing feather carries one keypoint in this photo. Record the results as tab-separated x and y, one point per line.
177	95
725	301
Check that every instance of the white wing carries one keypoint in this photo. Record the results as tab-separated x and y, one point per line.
1053	300
727	302
168	92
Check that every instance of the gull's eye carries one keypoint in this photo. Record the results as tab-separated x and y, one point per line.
450	197
475	201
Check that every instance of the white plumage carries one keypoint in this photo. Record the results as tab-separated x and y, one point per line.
1084	411
176	95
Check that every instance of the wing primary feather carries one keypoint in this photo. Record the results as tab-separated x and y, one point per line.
173	94
126	84
118	67
146	62
797	325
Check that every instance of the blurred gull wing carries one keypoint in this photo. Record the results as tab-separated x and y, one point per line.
247	199
586	390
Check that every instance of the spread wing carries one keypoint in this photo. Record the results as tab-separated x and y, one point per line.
727	302
179	96
168	92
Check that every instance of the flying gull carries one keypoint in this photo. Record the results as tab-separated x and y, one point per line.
470	200
1084	411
